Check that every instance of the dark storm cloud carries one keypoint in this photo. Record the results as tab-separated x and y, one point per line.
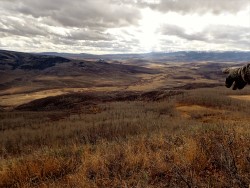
195	6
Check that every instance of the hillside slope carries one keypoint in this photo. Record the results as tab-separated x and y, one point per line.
25	72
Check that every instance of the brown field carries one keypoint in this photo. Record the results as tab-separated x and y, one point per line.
199	138
22	87
85	123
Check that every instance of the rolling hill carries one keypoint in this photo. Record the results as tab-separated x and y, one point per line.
25	72
25	77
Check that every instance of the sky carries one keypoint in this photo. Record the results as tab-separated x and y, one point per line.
124	26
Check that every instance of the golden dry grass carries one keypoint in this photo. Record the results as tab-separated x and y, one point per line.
131	144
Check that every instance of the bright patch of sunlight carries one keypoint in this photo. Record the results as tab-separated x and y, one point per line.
149	37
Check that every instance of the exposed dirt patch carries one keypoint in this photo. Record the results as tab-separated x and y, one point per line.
241	97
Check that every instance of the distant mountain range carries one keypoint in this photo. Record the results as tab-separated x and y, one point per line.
181	56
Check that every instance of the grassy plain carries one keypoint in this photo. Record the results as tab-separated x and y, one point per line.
199	138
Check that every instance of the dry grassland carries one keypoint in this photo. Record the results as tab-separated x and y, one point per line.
24	88
199	139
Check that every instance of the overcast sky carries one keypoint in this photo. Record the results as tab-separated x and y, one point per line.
124	26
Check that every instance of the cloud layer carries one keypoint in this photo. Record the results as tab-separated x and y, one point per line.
195	6
112	26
